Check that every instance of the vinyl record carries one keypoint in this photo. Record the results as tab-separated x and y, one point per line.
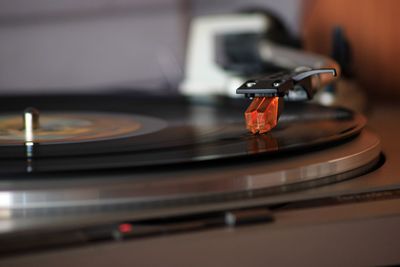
80	132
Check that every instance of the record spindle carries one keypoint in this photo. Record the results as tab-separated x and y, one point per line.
31	123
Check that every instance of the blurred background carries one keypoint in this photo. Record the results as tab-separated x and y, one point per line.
88	45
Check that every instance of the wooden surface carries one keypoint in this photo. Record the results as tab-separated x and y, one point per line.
372	27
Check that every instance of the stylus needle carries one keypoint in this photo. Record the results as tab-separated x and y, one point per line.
262	114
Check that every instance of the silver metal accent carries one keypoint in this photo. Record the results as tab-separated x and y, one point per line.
276	84
230	219
250	84
31	123
309	73
102	197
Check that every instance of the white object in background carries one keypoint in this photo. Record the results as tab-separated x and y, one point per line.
203	76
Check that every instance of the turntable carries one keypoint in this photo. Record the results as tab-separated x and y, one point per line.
178	174
128	160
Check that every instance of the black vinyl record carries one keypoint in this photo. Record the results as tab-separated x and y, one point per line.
132	131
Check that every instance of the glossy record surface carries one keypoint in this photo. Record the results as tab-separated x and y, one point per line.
173	131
